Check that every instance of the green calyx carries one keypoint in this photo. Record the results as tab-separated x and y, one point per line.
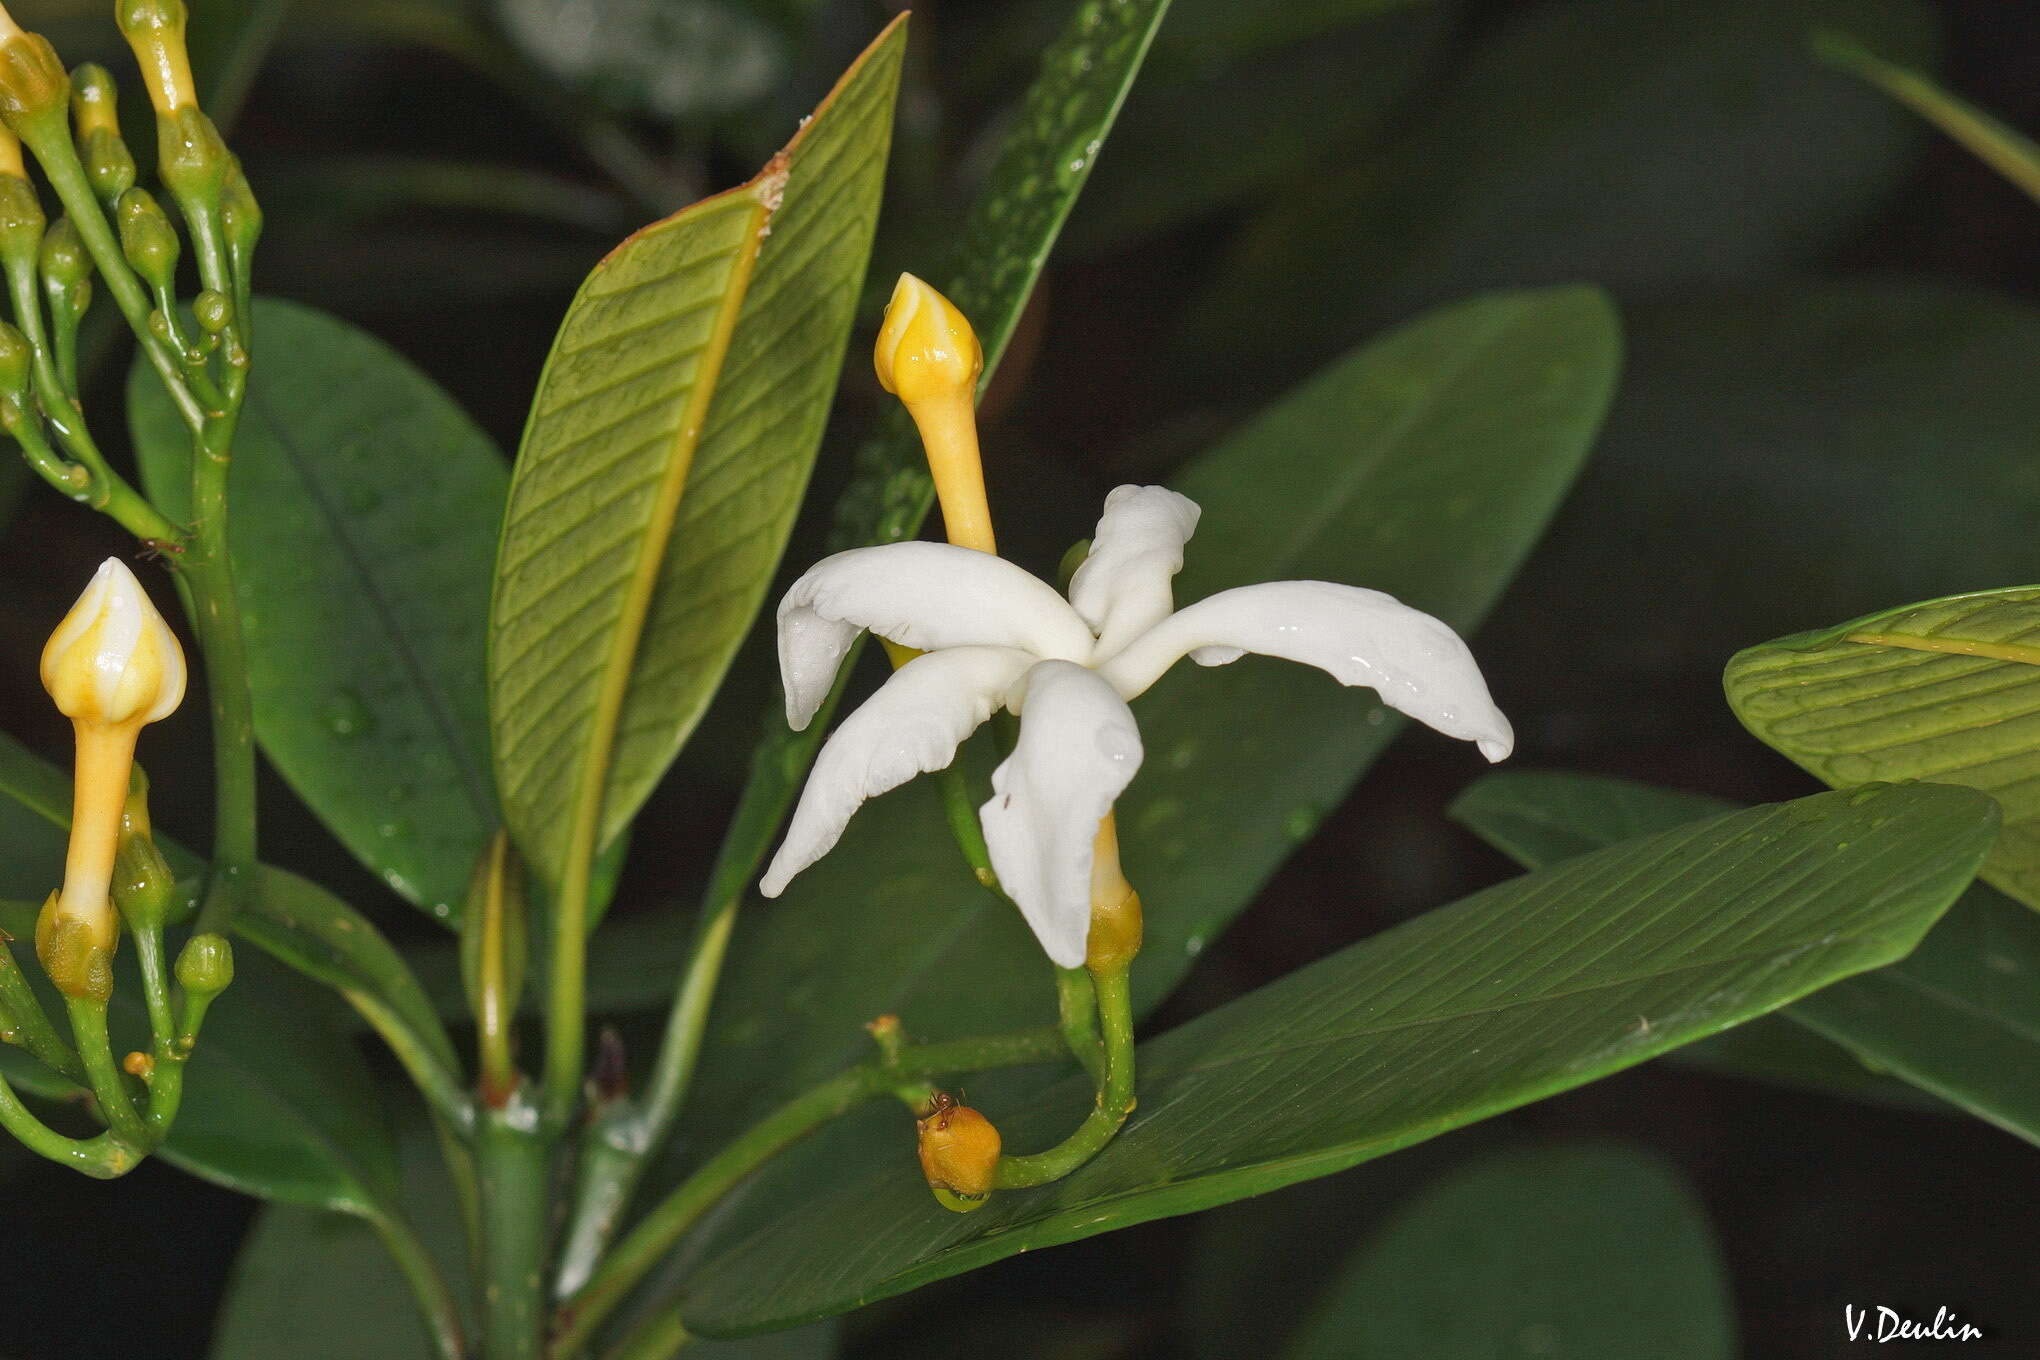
191	158
205	966
144	888
35	90
80	967
21	220
65	261
147	239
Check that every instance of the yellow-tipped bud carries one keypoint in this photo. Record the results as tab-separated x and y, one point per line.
35	90
113	661
95	114
155	30
959	1151
926	349
928	356
94	100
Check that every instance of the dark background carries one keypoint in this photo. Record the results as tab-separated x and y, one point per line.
1685	542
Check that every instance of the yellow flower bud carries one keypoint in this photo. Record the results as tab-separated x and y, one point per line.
155	30
928	356
112	665
926	348
959	1151
113	661
35	90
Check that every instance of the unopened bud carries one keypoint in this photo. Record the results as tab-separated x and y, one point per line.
15	360
213	310
926	349
240	214
21	219
113	661
35	91
147	238
155	30
144	888
139	1065
95	114
65	261
205	966
959	1152
191	159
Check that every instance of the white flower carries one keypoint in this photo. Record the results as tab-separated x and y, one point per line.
994	636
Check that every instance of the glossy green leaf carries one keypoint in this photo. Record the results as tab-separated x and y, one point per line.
2008	152
1424	465
1959	1018
1911	413
1531	987
667	449
1648	145
366	505
1947	690
1593	1251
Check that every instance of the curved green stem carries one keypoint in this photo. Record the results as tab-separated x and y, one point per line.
27	1018
103	1074
428	1286
101	1158
1115	1098
216	617
1077	1003
621	1271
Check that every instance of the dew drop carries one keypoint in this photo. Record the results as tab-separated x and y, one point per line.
345	715
1300	822
393	828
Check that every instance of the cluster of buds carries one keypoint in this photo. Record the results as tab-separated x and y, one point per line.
113	235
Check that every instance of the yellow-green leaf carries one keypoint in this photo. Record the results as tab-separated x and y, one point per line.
1948	690
666	453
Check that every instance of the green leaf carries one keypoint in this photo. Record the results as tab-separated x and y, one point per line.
1595	1251
1531	987
1959	1018
2004	150
665	456
1424	465
1649	145
1910	411
1947	690
1201	131
366	506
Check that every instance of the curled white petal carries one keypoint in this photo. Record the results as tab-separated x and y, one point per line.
1122	589
1362	637
921	595
913	724
1078	750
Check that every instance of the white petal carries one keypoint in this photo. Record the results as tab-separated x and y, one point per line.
913	724
1362	637
1077	752
921	595
1122	589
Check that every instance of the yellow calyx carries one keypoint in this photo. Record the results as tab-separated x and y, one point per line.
1116	924
928	356
959	1151
111	666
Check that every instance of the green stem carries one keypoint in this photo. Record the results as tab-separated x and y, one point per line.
155	985
435	1300
216	616
621	1271
101	1158
960	810
103	1074
511	1157
28	1020
440	1086
1077	1002
1115	1098
658	1336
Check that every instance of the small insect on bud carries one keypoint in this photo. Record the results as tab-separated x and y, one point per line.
147	239
205	966
95	114
35	91
959	1151
113	661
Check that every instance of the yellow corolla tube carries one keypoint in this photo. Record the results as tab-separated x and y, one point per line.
112	666
928	356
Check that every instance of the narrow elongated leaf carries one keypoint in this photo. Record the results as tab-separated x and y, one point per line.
2009	153
1531	987
366	505
1424	465
1948	690
1959	1018
1595	1251
667	449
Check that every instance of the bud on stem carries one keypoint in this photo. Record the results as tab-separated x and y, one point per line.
959	1151
95	114
928	356
155	30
